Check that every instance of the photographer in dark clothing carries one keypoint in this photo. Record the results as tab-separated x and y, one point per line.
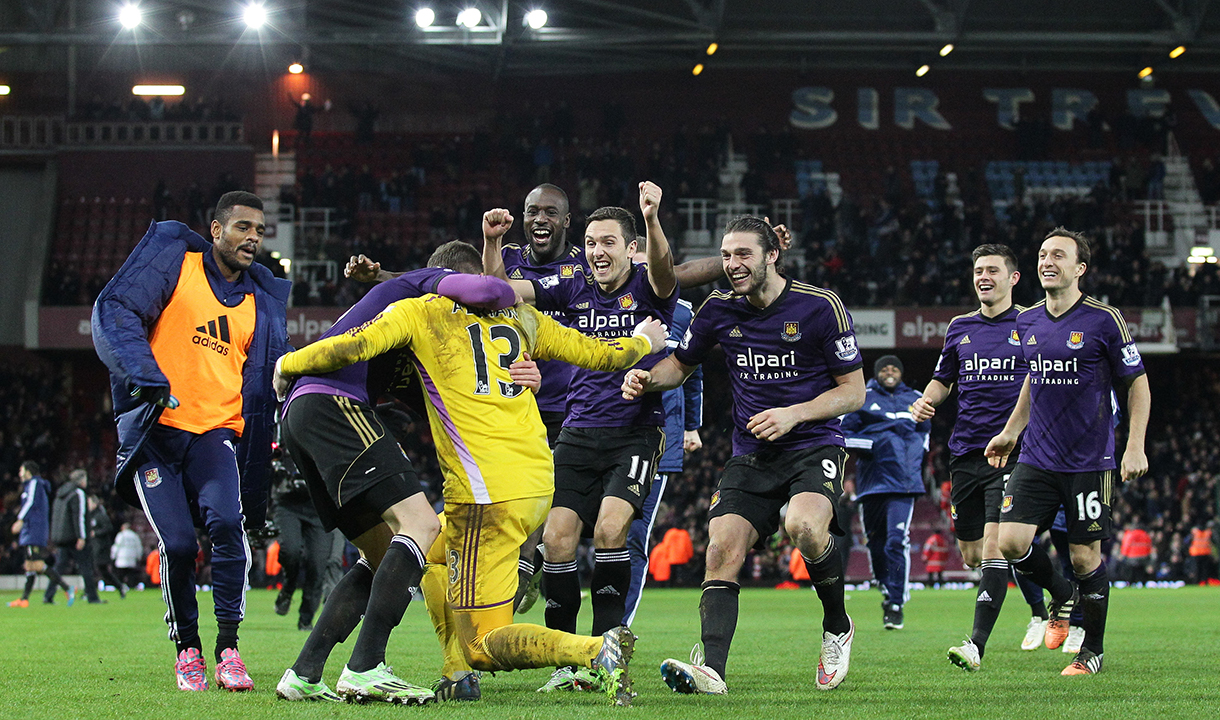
304	545
101	537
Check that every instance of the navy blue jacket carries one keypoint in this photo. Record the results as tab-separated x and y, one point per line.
35	513
127	309
683	405
892	443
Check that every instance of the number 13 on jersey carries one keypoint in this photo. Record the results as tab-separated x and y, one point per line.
481	371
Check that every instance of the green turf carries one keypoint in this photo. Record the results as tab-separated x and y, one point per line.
1162	661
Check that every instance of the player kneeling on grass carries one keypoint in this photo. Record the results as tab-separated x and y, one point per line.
794	369
498	479
361	482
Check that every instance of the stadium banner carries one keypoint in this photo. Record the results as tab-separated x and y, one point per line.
67	328
874	328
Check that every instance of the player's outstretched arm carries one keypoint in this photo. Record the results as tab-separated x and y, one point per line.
479	291
668	374
552	341
694	273
847	396
391	329
933	395
660	258
1139	404
1002	445
361	268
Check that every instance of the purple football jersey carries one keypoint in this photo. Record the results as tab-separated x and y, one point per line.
787	353
983	357
556	374
365	381
594	399
1074	360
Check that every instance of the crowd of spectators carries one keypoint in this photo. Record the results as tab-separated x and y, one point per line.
155	109
897	250
883	245
890	247
1180	493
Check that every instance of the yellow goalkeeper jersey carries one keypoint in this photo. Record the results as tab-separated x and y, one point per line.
489	437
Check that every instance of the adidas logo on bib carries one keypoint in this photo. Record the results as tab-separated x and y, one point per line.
214	335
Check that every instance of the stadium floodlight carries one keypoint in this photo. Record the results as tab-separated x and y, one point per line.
697	69
255	15
5	89
469	18
1177	52
296	68
1145	72
923	70
158	90
130	16
712	48
425	16
536	19
948	48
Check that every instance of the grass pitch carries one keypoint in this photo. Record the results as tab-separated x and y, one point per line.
1162	661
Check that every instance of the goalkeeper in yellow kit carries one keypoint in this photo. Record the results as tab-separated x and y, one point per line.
497	467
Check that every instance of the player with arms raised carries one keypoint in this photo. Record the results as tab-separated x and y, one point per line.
608	450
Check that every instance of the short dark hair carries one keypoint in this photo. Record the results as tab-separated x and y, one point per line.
230	200
761	228
458	256
1083	253
31	467
998	249
567	207
625	220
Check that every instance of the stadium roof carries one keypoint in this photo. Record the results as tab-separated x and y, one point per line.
583	36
